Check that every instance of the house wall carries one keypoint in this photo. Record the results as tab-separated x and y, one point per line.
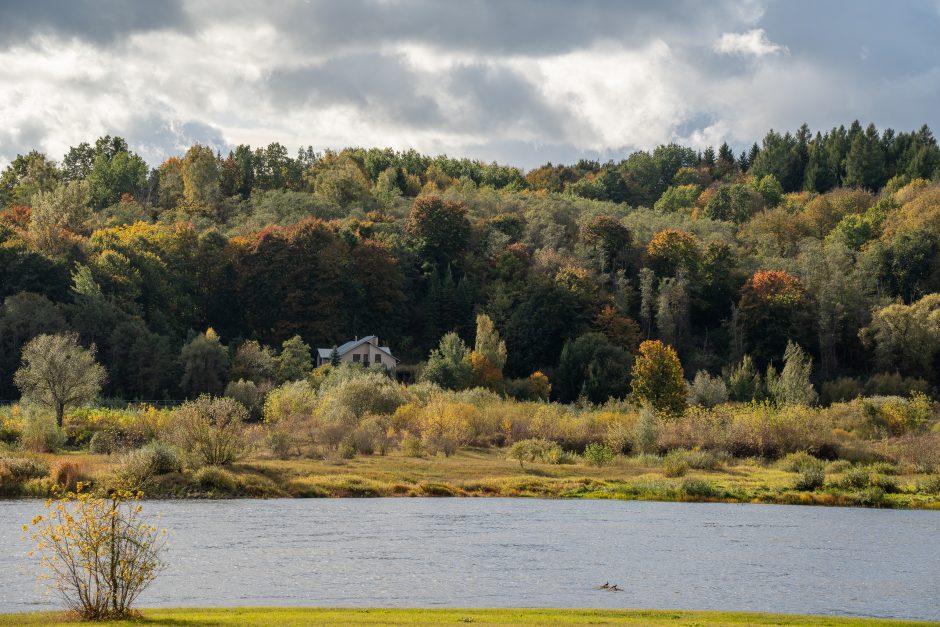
368	352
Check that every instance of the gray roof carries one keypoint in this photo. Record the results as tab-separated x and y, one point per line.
342	349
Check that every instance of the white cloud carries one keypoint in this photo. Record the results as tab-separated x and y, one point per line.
752	43
608	83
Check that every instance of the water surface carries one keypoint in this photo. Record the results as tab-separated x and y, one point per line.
401	552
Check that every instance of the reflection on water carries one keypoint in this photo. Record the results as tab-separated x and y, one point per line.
527	553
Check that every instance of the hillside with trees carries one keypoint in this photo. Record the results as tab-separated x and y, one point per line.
218	270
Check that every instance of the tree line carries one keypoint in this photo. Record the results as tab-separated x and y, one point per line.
827	242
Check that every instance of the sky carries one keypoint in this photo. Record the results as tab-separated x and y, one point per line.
521	82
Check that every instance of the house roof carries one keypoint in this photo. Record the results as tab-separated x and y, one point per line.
342	349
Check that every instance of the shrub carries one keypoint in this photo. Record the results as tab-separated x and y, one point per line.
535	450
103	442
707	391
40	433
930	485
292	401
871	497
67	474
149	461
80	540
280	444
699	488
698	459
675	465
374	393
646	432
854	478
249	394
888	485
598	454
812	476
794	462
216	479
411	446
24	468
838	465
620	435
210	431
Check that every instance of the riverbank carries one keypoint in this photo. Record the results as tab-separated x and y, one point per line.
324	616
488	472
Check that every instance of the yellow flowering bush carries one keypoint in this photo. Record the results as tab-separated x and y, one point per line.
97	553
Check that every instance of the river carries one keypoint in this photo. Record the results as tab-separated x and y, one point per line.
402	552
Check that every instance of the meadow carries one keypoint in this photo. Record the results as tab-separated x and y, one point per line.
355	433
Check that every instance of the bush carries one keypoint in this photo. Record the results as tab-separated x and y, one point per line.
698	459
646	432
812	476
16	471
930	485
103	442
280	444
699	488
535	450
40	433
675	465
837	466
411	446
67	474
249	394
598	454
794	462
854	478
81	539
216	479
149	461
888	485
210	431
707	391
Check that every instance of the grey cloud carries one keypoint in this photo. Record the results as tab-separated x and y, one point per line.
155	138
383	86
497	98
97	21
526	27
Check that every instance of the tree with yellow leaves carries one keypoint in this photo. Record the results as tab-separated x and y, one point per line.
97	553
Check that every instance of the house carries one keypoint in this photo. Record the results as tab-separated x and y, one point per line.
365	351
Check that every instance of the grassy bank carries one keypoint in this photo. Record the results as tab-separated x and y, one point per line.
316	616
488	472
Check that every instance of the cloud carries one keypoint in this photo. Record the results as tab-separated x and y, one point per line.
752	43
520	82
100	21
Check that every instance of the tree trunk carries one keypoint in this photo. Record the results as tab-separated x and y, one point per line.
59	414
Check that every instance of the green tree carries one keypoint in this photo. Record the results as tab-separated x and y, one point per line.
55	213
792	386
437	230
593	367
449	364
865	161
295	360
657	377
200	172
252	362
116	171
744	382
58	373
205	365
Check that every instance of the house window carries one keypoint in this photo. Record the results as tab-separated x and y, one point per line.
378	359
357	357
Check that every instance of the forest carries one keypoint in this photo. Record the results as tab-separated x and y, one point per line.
213	269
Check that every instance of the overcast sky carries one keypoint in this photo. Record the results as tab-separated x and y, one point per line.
517	81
